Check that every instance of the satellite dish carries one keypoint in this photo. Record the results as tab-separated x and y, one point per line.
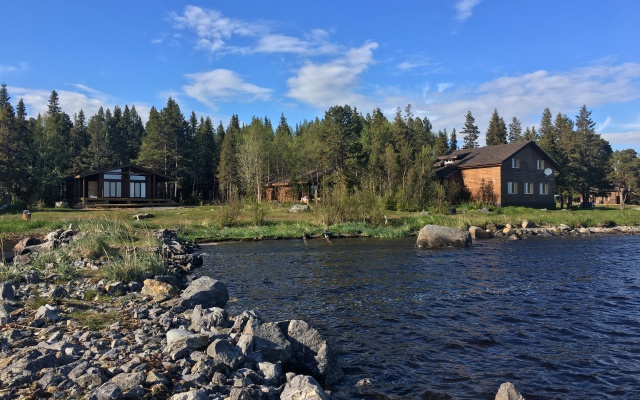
548	171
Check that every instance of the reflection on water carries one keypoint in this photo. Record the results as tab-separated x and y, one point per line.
559	317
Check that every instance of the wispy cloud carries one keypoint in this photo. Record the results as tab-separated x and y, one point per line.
334	82
71	102
222	85
6	69
220	35
464	9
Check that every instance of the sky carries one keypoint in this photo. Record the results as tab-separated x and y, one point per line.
299	58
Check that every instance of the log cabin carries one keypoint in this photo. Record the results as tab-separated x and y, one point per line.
125	185
514	174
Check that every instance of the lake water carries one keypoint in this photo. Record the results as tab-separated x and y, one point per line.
558	317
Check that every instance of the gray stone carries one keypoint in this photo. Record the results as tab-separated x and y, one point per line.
6	291
128	381
47	313
206	292
193	395
225	352
508	391
298	208
312	354
19	248
271	373
479	233
59	293
108	391
526	224
207	318
564	227
5	313
115	288
303	387
436	236
270	342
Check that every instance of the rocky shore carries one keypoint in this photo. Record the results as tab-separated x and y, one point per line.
173	339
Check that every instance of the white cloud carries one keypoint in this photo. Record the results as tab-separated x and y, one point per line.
335	82
464	9
623	140
6	69
444	86
604	125
222	85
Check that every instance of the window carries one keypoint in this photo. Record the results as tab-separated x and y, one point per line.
544	188
540	164
512	187
112	189
137	189
528	188
515	162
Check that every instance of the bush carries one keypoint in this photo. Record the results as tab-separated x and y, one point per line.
257	212
228	214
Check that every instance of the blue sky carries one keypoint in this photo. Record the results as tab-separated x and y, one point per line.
260	58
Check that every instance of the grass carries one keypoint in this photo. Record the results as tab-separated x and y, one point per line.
117	229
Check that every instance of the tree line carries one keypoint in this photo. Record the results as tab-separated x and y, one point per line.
392	158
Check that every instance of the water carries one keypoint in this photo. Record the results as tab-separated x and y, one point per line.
558	317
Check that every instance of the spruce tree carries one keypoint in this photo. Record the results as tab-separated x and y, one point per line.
515	131
453	141
7	143
497	130
470	132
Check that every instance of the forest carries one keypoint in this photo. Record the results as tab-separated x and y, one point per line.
389	158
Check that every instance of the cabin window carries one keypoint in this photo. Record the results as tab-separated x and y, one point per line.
512	187
112	189
137	189
528	188
540	164
515	162
133	177
113	177
544	188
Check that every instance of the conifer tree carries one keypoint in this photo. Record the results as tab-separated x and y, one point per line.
497	130
515	131
227	172
441	146
470	132
453	141
7	143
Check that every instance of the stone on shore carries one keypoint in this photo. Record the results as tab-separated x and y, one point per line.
154	287
437	237
479	233
303	387
508	391
205	291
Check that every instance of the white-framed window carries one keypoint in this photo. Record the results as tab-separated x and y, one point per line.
512	187
528	188
540	164
112	189
515	162
544	188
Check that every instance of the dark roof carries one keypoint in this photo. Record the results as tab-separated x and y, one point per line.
489	155
133	167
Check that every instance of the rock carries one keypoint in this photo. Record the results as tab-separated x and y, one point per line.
271	373
5	313
303	387
297	208
46	314
479	233
208	318
515	236
526	224
154	287
270	342
61	204
24	243
6	291
193	395
138	217
128	381
584	231
59	293
312	354
564	227
225	352
115	288
206	292
108	391
193	341
508	391
436	236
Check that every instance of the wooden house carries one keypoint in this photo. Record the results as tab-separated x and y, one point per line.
125	185
286	191
514	174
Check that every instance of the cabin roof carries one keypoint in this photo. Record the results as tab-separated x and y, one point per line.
131	168
489	155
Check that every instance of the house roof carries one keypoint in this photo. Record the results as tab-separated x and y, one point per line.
131	167
488	156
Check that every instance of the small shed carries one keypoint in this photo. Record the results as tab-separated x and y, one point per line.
124	185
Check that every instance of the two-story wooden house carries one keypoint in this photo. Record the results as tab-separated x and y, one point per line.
514	174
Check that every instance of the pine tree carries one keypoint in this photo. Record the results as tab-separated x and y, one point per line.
7	143
515	131
96	153
80	141
497	130
205	157
453	141
227	172
531	134
441	146
470	132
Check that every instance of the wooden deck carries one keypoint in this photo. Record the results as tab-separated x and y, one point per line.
124	202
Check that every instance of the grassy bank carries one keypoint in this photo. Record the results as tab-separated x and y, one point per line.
220	223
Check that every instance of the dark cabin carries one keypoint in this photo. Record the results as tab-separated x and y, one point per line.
514	174
125	185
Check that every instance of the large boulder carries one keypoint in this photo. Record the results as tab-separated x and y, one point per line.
270	342
508	391
436	237
24	243
311	353
154	287
303	387
479	233
205	291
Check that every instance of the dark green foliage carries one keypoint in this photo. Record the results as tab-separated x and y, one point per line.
515	131
470	132
497	131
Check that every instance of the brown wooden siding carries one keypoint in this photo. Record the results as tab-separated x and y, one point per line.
473	177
